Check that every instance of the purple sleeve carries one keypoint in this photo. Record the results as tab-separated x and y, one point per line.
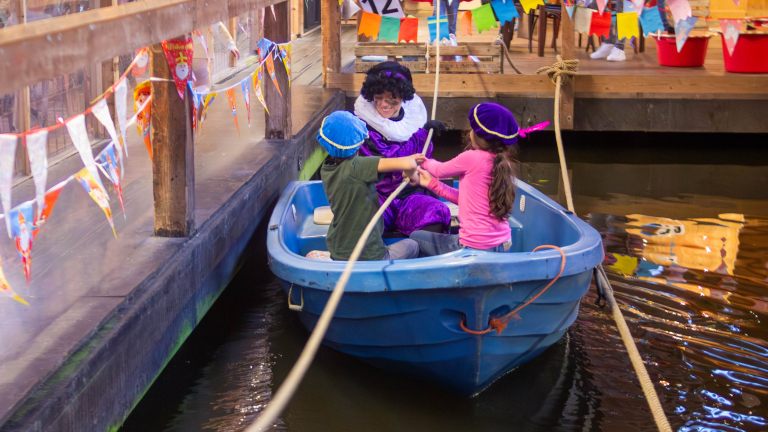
456	166
444	191
393	150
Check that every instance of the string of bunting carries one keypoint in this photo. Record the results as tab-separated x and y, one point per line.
24	221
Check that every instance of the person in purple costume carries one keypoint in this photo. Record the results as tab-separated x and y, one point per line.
396	118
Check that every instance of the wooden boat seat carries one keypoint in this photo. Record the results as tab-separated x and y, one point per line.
323	215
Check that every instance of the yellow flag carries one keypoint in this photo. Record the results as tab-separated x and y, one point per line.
626	24
530	4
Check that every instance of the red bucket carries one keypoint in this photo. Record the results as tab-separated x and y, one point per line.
750	54
693	53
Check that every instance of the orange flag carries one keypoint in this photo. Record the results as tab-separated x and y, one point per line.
369	25
97	193
466	23
409	28
233	105
271	70
6	289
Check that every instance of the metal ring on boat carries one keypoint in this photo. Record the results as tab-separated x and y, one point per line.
293	307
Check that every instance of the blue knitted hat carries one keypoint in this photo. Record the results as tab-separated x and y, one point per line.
342	133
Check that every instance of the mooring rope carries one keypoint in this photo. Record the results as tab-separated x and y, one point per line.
292	381
559	71
499	40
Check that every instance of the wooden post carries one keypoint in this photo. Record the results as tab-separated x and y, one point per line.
542	29
278	120
233	33
257	31
330	26
173	168
297	9
566	89
23	115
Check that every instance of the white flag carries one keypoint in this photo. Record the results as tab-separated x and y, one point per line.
7	159
37	144
79	135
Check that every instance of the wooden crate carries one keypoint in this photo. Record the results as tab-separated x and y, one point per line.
489	56
700	8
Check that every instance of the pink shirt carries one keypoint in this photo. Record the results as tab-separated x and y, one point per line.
478	229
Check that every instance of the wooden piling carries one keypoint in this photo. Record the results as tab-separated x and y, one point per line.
278	120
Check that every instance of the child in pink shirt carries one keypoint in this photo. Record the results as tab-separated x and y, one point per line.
486	191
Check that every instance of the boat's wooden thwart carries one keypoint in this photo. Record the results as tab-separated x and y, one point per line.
405	316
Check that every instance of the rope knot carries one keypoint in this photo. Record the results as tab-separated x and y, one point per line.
561	68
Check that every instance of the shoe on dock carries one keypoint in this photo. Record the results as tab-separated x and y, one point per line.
602	52
617	55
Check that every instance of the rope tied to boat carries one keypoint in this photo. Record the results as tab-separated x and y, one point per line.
560	69
499	324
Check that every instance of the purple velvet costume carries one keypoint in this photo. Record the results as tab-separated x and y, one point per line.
415	210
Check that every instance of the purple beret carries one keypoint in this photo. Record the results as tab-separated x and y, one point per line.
492	121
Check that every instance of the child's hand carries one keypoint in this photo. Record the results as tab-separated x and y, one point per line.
417	158
424	178
412	176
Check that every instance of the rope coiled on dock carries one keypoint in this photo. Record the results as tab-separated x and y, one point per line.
561	69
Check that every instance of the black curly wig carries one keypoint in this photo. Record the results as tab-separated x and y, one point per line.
388	76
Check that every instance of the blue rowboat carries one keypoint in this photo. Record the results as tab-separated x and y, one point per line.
406	316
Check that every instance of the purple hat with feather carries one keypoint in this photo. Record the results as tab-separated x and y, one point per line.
492	121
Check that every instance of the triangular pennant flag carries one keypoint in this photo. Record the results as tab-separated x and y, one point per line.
484	18
45	212
369	24
629	6
465	18
195	105
348	9
6	289
108	164
101	111
527	5
142	61
207	101
22	221
683	29
731	31
409	29
600	6
246	98
505	12
179	53
639	6
143	116
121	91
582	20
37	150
285	53
263	47
626	25
389	29
600	24
233	106
570	10
737	2
257	88
680	9
79	135
271	70
650	19
444	34
7	159
97	192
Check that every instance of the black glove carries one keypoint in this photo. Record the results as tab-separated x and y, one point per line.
436	125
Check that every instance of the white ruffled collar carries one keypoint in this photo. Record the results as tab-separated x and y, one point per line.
414	118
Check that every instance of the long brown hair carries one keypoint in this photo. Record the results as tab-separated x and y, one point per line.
501	194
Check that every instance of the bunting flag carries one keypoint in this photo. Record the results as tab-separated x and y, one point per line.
383	8
389	29
233	106
108	164
484	18
143	117
505	12
626	25
79	135
465	18
570	10
285	53
409	29
650	19
7	159
121	91
6	289
179	54
207	101
639	6
22	219
45	212
600	24
246	98
680	9
97	192
683	29
600	6
263	47
203	43
257	88
582	20
195	105
101	111
369	24
737	2
527	5
443	19
629	6
271	70
37	149
731	30
142	61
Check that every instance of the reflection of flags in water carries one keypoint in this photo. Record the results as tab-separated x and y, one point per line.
6	289
22	219
285	53
271	70
257	88
246	98
108	164
50	200
233	106
143	116
97	193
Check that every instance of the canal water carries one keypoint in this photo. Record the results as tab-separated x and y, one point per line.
684	220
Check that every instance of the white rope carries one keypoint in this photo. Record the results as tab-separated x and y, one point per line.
278	403
629	342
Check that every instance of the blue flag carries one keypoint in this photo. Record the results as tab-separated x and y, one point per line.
650	19
683	29
505	11
443	27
